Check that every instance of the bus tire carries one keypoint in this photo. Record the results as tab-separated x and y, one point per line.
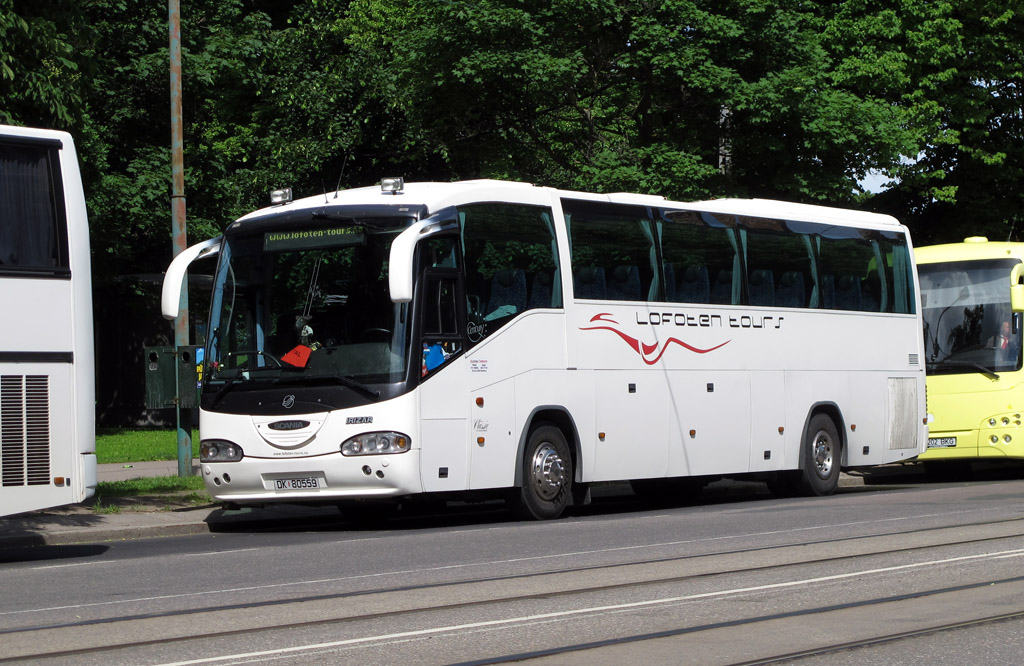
547	475
821	457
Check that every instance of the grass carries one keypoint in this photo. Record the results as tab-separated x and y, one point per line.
122	445
172	491
119	445
154	485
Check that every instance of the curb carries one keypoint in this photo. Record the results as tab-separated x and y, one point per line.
95	535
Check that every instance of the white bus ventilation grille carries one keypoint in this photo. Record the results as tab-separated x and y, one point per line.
24	430
914	359
902	413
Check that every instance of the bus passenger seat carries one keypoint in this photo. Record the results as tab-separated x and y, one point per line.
790	293
508	293
761	287
624	284
588	282
828	292
540	291
694	286
871	293
848	293
721	292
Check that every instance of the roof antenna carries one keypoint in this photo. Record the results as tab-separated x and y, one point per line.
1009	236
344	162
324	185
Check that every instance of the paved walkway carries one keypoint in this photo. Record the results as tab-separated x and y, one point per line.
137	517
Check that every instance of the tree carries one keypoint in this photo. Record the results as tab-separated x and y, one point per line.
40	75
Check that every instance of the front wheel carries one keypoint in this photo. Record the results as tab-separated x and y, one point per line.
547	475
821	457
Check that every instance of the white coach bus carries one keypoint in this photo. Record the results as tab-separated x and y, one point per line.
47	403
485	337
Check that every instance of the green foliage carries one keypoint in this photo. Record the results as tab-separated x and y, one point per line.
788	99
40	76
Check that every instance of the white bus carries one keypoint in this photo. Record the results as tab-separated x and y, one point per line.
498	338
47	387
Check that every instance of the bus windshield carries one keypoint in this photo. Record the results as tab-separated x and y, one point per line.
968	324
301	305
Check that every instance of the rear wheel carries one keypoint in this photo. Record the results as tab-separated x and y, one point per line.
547	475
821	457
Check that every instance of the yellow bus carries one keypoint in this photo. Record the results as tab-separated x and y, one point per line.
972	301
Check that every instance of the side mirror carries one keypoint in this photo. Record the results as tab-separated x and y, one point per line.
170	295
403	253
1016	289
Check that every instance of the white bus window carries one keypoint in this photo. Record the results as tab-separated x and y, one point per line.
700	258
511	262
33	233
778	263
613	251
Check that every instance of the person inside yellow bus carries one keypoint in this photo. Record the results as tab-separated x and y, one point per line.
1003	341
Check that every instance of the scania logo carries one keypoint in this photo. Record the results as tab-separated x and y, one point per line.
288	402
288	425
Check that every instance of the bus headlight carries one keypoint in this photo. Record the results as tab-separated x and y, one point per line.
219	450
374	443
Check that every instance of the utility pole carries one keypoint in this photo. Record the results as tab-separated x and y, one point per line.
181	338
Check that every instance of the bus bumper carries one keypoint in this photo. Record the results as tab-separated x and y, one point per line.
320	479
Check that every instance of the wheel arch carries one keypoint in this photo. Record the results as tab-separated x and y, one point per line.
559	417
831	410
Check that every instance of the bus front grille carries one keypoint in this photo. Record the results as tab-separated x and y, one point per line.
24	430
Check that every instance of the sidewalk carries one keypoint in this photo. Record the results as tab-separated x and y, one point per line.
164	515
138	517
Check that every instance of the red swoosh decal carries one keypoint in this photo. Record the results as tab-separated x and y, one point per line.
642	349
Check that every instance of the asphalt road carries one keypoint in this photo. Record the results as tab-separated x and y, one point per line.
909	571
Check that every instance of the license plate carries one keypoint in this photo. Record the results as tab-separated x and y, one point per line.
303	483
941	442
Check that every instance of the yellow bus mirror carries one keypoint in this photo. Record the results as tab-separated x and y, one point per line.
1017	297
1016	289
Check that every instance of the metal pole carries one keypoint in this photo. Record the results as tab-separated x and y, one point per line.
181	338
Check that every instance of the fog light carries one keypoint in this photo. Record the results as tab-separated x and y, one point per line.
283	195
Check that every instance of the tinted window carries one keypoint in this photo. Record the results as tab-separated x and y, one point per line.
511	262
700	258
613	255
33	232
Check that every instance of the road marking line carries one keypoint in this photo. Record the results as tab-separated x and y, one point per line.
533	558
589	610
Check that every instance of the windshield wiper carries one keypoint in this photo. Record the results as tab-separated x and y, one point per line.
223	390
988	372
357	386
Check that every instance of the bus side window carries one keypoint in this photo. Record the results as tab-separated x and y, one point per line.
440	312
511	263
699	255
613	251
34	234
